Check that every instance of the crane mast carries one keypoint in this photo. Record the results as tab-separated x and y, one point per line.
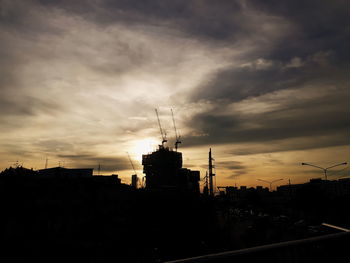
177	137
134	178
132	165
163	134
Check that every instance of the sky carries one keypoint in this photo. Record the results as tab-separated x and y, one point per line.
265	84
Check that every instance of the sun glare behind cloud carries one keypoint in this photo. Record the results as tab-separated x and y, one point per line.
141	147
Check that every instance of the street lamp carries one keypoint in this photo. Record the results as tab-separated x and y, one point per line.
270	182
324	169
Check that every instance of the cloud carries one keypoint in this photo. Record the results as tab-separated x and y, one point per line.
309	117
107	164
82	78
69	83
229	20
230	165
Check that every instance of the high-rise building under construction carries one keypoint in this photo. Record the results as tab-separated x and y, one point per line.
163	169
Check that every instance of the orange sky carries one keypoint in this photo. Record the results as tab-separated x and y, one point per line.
260	84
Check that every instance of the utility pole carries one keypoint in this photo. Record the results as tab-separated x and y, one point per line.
46	163
206	184
211	174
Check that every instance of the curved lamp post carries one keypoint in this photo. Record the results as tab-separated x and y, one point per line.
324	169
270	182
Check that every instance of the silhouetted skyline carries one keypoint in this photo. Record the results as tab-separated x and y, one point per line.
265	84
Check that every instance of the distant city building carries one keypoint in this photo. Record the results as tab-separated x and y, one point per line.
134	180
339	187
107	179
18	171
66	172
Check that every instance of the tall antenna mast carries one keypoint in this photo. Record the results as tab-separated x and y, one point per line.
46	163
177	137
163	134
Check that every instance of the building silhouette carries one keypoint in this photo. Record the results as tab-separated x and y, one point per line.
163	169
64	172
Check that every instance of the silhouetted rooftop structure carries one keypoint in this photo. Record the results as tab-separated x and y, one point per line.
339	187
18	171
64	172
163	169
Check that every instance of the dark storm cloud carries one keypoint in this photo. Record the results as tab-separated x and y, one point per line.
107	164
227	20
318	26
315	54
197	18
293	144
319	41
322	116
321	25
235	167
237	84
265	76
230	165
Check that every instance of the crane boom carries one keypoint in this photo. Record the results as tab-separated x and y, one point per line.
172	114
132	165
163	134
177	137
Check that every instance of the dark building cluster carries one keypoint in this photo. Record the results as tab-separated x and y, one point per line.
334	188
61	211
163	169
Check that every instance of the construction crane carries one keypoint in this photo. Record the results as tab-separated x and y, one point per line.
134	179
163	133
132	165
177	137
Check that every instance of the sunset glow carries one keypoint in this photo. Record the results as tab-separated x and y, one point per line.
264	89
